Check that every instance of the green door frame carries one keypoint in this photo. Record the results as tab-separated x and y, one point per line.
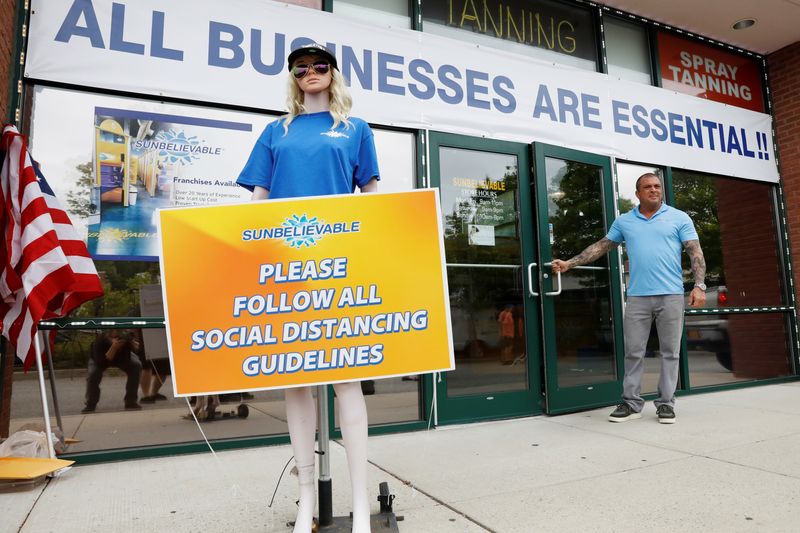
558	399
509	404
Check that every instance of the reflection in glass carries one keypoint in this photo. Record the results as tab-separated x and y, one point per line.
583	313
488	330
164	421
479	205
83	377
390	400
735	221
479	192
737	347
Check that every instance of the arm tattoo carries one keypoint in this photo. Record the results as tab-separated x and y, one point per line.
698	261
593	252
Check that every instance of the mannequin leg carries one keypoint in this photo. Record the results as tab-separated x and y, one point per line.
301	415
353	421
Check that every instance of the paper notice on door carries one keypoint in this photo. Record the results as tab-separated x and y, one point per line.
480	235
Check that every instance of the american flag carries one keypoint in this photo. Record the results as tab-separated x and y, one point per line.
46	269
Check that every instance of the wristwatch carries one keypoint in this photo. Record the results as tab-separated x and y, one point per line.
701	286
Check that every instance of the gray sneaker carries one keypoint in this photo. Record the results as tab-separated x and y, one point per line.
623	413
666	414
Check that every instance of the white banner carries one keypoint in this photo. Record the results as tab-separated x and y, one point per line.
234	52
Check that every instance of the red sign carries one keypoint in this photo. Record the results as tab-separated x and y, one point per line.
707	72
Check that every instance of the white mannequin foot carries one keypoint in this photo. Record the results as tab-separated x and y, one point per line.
353	421
361	517
308	500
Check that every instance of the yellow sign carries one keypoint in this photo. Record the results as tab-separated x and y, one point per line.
284	293
29	467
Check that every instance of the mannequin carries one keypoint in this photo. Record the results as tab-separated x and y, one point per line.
318	105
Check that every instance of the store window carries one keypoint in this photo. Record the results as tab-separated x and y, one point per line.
548	30
396	160
627	51
730	348
479	191
112	161
735	220
736	223
391	13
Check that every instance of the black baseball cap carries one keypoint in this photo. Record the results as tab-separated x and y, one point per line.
312	49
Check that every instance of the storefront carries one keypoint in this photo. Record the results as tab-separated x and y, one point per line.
533	119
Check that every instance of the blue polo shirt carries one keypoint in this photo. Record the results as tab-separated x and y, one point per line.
312	159
654	249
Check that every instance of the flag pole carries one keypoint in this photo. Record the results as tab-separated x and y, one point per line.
43	392
52	376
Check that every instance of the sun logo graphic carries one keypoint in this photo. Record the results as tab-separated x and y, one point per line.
179	149
335	134
300	231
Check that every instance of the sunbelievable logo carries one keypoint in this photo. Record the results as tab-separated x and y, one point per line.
298	231
175	147
335	134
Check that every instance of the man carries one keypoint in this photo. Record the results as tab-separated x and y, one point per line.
506	321
113	348
653	233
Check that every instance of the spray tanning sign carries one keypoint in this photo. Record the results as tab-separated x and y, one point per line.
286	293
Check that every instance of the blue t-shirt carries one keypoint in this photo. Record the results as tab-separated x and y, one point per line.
654	249
312	159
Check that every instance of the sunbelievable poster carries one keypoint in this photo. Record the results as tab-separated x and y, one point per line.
283	293
144	161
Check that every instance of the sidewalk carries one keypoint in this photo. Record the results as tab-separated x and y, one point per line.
729	464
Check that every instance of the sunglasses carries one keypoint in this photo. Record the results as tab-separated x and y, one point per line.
301	70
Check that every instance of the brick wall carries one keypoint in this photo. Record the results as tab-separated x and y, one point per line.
7	33
784	76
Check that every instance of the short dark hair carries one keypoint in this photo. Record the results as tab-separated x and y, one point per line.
646	175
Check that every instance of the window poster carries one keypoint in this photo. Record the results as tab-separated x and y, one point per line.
113	162
146	161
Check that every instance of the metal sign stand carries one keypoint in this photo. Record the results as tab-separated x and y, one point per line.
385	521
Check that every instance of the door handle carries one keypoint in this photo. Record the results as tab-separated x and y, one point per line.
530	279
558	279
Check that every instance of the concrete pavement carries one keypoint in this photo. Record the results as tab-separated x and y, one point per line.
729	464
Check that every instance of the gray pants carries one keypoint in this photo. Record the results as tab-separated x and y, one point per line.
640	311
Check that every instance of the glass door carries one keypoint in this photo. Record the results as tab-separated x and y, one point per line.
582	308
489	245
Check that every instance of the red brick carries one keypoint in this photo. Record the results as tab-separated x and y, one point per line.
7	34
